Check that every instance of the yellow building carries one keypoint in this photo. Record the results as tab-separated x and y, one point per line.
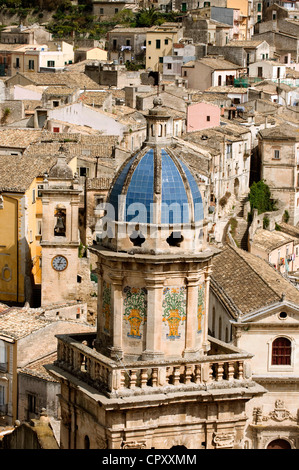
244	26
21	182
159	43
90	53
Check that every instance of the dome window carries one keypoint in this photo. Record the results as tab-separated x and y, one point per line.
175	239
137	238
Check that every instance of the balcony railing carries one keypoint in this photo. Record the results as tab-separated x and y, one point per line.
122	378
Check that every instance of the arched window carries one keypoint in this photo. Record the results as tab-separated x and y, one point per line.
281	352
86	442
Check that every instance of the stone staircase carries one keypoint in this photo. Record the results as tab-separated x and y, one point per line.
240	206
241	233
241	230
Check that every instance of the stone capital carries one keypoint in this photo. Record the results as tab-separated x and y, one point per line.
154	282
116	279
193	280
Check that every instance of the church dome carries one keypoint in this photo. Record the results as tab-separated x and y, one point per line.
156	176
155	205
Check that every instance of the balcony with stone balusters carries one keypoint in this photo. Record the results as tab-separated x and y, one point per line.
225	367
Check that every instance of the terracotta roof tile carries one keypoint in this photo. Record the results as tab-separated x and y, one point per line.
249	282
268	241
70	79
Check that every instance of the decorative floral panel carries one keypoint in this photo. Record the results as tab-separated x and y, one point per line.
200	307
174	310
135	304
106	306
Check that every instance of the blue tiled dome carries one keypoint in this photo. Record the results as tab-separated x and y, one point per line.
176	187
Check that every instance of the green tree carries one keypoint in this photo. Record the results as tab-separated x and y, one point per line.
260	197
147	17
125	17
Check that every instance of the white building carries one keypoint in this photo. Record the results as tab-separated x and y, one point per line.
262	308
267	69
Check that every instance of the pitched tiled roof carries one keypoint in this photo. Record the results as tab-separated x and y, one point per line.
268	241
219	64
246	43
19	138
18	322
74	144
37	369
70	79
248	282
59	90
290	229
17	172
94	98
284	131
226	89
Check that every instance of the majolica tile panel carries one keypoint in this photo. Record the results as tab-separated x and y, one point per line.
174	311
200	307
135	304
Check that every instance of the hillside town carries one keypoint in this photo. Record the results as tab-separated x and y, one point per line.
149	227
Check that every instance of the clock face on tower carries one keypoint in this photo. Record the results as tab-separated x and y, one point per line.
59	263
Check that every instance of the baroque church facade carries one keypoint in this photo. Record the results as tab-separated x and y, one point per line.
151	376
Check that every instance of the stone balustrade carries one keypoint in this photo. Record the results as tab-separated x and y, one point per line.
122	378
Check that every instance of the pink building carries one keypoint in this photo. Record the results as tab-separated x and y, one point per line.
202	116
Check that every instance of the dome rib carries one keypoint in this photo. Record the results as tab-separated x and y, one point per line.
156	175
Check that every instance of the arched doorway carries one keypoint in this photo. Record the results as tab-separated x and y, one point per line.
86	442
279	444
236	187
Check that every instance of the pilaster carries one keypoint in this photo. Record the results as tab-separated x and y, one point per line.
116	350
206	344
154	286
191	345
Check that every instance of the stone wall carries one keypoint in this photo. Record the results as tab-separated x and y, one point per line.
236	55
15	113
45	391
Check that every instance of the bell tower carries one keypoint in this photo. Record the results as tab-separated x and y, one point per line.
60	237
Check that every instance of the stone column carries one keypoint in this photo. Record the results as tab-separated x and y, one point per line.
191	346
46	220
206	343
74	221
154	286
